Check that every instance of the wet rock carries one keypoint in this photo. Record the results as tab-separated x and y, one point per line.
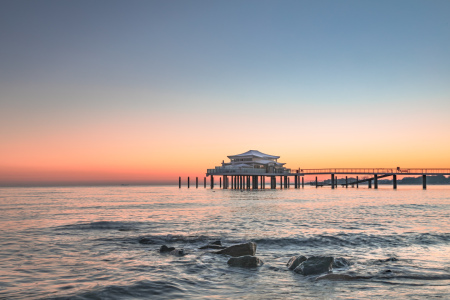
315	265
388	259
295	261
213	245
343	277
178	252
340	262
246	261
165	249
239	250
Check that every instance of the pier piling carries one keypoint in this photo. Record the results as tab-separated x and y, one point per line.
375	181
188	182
394	181
332	181
424	182
179	182
196	182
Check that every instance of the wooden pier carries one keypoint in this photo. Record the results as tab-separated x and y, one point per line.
258	180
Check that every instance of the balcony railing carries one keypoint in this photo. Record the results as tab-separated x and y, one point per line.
220	170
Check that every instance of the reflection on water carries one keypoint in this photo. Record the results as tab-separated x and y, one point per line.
84	241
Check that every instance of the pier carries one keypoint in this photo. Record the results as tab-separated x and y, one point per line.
250	170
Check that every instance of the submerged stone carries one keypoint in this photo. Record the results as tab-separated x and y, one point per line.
315	265
295	261
145	240
178	252
338	277
213	245
239	250
246	261
165	249
340	262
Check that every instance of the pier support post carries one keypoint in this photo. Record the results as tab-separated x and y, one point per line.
424	182
285	182
188	182
196	182
212	182
262	182
357	184
204	181
295	181
316	182
332	181
225	183
370	183
394	181
179	182
375	181
220	182
281	181
303	182
346	181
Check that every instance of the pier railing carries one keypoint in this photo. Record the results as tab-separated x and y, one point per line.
377	171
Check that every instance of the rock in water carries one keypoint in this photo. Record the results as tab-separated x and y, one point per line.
315	265
178	252
340	262
165	249
213	245
246	261
239	250
295	261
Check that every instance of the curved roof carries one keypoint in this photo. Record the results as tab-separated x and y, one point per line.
253	153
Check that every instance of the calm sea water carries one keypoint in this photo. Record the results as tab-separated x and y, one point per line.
84	242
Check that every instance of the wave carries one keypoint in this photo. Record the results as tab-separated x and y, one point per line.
352	240
142	289
101	225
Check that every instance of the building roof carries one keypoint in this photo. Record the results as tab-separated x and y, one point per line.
253	153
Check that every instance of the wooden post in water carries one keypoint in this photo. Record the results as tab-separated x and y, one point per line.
303	182
188	182
332	181
394	181
375	181
346	182
220	182
316	182
212	182
204	179
424	182
370	183
179	182
196	182
357	184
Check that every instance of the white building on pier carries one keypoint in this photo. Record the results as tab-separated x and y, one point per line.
251	162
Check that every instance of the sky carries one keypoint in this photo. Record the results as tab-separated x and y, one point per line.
147	91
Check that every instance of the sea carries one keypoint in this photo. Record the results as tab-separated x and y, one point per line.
103	242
